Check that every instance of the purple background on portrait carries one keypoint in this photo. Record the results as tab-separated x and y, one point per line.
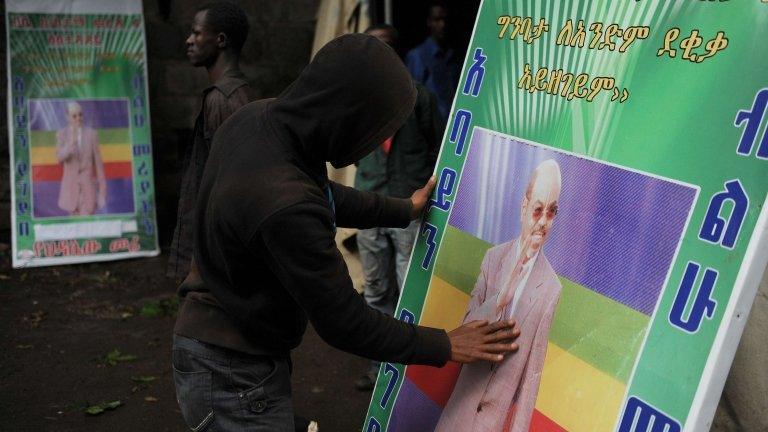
616	231
51	115
119	198
411	400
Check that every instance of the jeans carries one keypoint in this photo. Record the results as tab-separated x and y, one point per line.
224	390
378	246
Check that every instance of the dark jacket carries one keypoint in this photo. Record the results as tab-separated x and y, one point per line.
266	214
220	100
411	159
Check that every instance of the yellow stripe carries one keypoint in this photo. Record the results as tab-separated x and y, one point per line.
576	395
109	153
444	306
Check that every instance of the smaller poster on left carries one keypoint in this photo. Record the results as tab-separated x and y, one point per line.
79	132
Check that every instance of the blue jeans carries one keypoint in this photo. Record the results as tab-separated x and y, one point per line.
378	247
224	390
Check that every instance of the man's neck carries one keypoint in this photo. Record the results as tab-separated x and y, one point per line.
224	63
440	43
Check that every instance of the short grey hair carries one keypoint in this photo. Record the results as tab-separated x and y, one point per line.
74	107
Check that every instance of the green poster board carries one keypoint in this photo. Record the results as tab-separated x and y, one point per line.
79	132
603	181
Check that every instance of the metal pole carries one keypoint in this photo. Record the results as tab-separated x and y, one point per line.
388	11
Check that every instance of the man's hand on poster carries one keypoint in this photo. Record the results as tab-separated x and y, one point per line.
420	198
479	340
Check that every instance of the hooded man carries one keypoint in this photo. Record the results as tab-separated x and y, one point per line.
264	244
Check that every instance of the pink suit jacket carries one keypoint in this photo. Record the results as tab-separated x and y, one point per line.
83	183
501	397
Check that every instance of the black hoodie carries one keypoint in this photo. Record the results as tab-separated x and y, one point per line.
265	219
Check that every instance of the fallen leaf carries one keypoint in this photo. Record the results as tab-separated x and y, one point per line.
35	318
104	406
144	379
24	346
115	356
150	399
163	307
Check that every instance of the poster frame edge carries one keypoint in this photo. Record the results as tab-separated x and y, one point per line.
728	337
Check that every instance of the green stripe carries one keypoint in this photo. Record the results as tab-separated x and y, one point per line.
106	136
598	330
459	259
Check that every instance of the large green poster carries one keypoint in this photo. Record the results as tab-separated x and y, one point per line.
602	181
79	134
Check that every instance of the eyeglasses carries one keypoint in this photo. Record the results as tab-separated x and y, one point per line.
551	212
76	115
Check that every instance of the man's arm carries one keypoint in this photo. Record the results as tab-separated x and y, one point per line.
64	148
358	209
298	245
301	251
479	292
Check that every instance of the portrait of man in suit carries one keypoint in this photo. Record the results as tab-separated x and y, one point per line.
516	281
83	183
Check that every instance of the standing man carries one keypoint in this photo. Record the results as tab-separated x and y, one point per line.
83	183
265	247
397	168
433	62
516	280
216	39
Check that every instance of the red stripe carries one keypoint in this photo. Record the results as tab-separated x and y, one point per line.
112	170
436	383
542	423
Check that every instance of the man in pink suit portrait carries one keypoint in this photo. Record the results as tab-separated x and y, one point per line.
517	282
83	184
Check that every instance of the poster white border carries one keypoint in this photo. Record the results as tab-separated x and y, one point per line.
125	7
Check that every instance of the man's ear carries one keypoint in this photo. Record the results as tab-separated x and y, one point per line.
222	41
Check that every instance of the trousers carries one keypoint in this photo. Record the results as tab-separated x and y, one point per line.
221	390
378	247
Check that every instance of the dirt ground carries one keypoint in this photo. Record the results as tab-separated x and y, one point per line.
75	337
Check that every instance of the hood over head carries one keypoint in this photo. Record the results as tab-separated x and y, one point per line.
354	94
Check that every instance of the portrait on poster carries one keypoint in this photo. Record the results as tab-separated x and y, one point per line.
81	158
576	251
